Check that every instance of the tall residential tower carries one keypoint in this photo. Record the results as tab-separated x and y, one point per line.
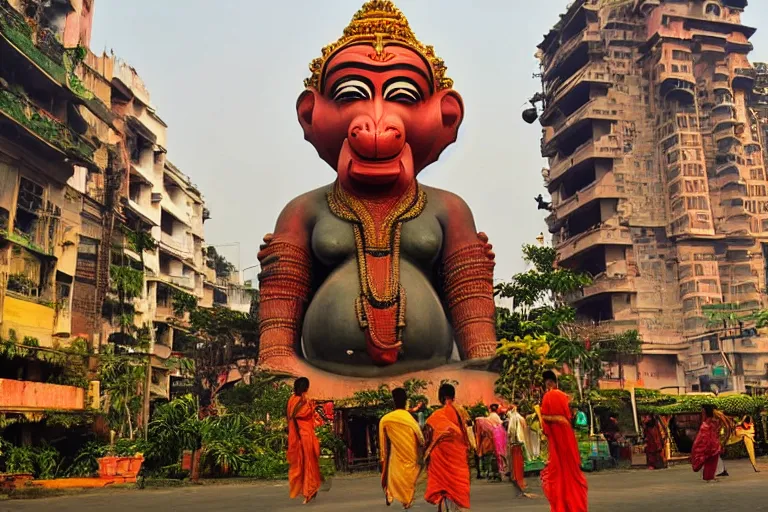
657	177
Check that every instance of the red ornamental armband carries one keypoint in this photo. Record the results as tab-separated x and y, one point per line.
284	284
468	285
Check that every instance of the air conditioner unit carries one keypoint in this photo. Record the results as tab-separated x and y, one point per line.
157	197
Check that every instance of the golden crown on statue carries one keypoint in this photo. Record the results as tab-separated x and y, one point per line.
379	23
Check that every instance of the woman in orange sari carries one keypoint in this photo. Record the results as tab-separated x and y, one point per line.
446	456
562	481
303	446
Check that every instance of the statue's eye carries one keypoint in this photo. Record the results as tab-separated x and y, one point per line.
402	91
351	90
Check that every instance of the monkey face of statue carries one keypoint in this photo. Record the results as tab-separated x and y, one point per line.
377	118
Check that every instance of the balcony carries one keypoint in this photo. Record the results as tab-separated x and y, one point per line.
598	108
744	78
593	72
179	212
187	282
47	54
604	284
39	126
561	55
181	248
605	147
144	173
145	213
726	134
602	235
600	189
22	395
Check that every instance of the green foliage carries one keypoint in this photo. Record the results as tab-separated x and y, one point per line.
218	336
51	130
44	461
183	302
19	459
20	283
67	420
47	462
523	361
85	462
378	402
121	377
70	364
479	410
139	241
538	296
265	397
128	282
219	263
16	29
30	341
651	401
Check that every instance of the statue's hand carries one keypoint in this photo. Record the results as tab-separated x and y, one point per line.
267	238
487	247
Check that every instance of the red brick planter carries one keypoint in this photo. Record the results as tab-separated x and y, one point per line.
120	467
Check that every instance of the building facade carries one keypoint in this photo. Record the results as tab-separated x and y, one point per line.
99	231
657	178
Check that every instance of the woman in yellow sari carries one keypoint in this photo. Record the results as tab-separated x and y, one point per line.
745	431
401	443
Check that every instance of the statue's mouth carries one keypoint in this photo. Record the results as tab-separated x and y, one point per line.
377	171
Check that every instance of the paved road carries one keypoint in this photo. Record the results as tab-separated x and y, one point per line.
677	489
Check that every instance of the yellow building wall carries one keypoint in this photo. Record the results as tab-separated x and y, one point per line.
28	319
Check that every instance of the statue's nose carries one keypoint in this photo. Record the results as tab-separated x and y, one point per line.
373	140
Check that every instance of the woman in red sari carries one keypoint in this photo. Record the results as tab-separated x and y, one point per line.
706	448
303	446
562	481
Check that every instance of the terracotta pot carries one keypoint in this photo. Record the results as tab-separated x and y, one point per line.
186	460
120	467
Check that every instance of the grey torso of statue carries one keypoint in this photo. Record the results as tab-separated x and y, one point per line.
332	338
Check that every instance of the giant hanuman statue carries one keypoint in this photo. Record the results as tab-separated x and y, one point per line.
375	274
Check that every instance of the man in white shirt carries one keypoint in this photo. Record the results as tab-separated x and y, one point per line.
517	433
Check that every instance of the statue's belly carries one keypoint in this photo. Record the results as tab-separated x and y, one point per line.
333	339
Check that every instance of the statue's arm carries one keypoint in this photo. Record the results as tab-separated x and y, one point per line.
467	273
284	283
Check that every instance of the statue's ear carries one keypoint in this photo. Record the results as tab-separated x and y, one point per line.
305	107
451	111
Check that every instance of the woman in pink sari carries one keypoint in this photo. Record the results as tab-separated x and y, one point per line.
500	447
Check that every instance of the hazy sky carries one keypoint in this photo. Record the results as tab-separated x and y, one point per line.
225	76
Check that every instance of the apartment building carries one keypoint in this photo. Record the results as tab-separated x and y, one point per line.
657	178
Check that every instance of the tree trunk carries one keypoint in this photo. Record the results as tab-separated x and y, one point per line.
128	419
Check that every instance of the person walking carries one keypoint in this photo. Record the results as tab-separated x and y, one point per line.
446	455
517	433
303	454
706	448
401	443
562	481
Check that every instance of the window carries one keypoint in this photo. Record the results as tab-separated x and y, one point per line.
28	206
63	288
712	9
